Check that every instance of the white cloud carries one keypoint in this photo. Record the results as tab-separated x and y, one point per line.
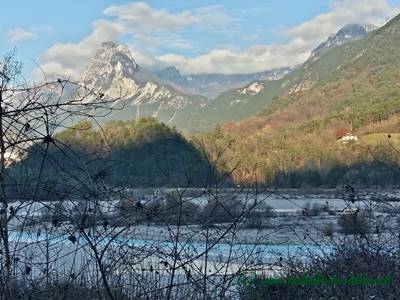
140	17
254	59
21	34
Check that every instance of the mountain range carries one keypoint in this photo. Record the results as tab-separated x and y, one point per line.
186	101
114	72
212	85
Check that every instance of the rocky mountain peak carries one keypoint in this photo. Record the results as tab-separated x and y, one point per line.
354	31
348	33
111	63
113	50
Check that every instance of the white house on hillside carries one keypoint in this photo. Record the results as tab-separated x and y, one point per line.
349	137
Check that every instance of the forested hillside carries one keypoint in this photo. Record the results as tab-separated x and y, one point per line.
133	153
350	89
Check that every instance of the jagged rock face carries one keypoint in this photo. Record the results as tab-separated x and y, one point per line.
112	70
351	32
252	90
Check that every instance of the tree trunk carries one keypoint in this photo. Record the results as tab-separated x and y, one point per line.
4	208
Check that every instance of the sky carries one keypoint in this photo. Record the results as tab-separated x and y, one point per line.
198	37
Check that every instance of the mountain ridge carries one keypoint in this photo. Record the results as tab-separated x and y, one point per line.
348	33
212	85
149	95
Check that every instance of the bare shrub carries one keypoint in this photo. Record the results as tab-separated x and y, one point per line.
312	210
328	230
259	217
354	223
221	210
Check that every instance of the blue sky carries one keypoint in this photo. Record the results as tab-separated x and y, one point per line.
196	36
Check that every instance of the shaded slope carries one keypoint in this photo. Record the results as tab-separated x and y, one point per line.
135	154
